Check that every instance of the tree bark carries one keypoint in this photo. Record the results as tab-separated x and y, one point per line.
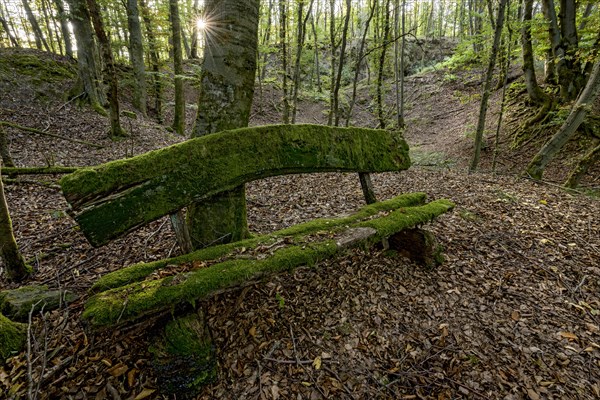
64	27
154	59
86	59
487	86
227	89
179	113
536	167
7	160
110	70
11	37
37	32
385	40
136	55
284	60
338	77
584	164
536	94
16	269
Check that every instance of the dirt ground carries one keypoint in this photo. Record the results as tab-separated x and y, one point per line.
513	313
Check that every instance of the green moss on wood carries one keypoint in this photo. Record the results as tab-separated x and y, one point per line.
17	303
140	271
113	198
12	337
137	299
184	357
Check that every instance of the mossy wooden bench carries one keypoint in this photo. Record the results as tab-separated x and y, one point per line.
112	199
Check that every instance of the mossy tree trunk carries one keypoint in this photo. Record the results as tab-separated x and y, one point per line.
536	167
589	159
7	160
226	92
12	337
14	264
110	70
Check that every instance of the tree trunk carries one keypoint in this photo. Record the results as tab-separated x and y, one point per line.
535	92
179	113
536	167
589	159
86	59
301	35
11	37
570	78
16	269
37	32
194	45
284	60
154	59
227	89
136	55
554	53
317	64
487	86
338	78
7	160
64	27
359	60
384	43
109	70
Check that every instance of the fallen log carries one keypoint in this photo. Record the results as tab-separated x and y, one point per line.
114	198
209	271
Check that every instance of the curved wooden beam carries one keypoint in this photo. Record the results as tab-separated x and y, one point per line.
114	198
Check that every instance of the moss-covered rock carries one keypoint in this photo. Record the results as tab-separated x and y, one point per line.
17	303
12	337
114	198
184	356
312	242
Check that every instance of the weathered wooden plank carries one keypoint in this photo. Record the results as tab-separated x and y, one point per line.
114	198
200	279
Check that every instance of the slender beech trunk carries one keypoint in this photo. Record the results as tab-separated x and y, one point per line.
554	53
533	89
49	29
37	31
14	264
384	43
338	79
317	63
136	55
487	86
64	27
154	59
359	60
194	45
7	29
301	35
179	113
284	59
333	45
109	69
536	167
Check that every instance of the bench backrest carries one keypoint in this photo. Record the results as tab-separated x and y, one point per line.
112	199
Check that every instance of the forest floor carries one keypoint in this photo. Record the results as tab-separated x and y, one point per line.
513	312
